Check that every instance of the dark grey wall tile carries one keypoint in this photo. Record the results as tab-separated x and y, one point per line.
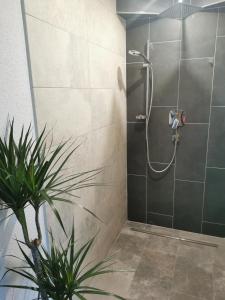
137	198
136	81
221	25
160	190
143	5
219	77
214	207
136	148
216	153
160	220
160	135
213	229
198	35
165	59
191	153
158	32
195	89
188	206
137	36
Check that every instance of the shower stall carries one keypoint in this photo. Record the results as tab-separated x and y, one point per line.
185	43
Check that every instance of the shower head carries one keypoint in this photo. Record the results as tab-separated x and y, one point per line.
180	11
138	53
134	52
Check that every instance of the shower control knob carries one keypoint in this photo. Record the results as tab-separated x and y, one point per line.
141	117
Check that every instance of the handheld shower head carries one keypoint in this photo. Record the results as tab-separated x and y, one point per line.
138	53
134	52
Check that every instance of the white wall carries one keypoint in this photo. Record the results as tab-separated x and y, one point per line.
15	102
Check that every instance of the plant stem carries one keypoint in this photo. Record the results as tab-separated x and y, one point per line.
20	214
38	224
38	270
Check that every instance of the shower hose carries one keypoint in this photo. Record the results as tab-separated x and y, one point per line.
148	115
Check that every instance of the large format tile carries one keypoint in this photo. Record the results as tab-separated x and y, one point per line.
161	146
191	153
137	36
136	148
221	25
50	51
102	74
188	206
70	15
137	198
216	157
61	120
165	62
195	89
213	229
158	32
219	77
193	280
136	94
214	208
160	191
198	35
160	219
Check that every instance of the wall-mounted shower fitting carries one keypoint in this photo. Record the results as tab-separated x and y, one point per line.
177	119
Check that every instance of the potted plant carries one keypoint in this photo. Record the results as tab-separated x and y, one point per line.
31	174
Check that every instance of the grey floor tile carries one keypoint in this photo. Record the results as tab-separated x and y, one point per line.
178	296
193	280
162	244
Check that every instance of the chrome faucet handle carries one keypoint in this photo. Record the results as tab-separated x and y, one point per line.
141	117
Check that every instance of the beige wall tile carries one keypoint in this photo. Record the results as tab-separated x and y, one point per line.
69	15
66	111
50	50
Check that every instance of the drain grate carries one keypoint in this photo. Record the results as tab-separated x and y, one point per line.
175	237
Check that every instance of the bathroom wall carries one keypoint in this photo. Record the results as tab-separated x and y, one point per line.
189	61
78	63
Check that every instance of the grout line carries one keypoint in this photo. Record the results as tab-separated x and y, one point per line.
130	174
172	106
75	35
196	123
196	58
160	163
164	42
146	170
215	223
210	112
219	106
192	181
155	213
220	36
218	168
178	99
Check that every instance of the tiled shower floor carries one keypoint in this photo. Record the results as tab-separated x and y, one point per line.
166	269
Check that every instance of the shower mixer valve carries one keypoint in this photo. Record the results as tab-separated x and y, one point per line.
177	119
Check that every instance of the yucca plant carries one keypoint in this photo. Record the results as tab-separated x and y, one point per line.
64	273
32	174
